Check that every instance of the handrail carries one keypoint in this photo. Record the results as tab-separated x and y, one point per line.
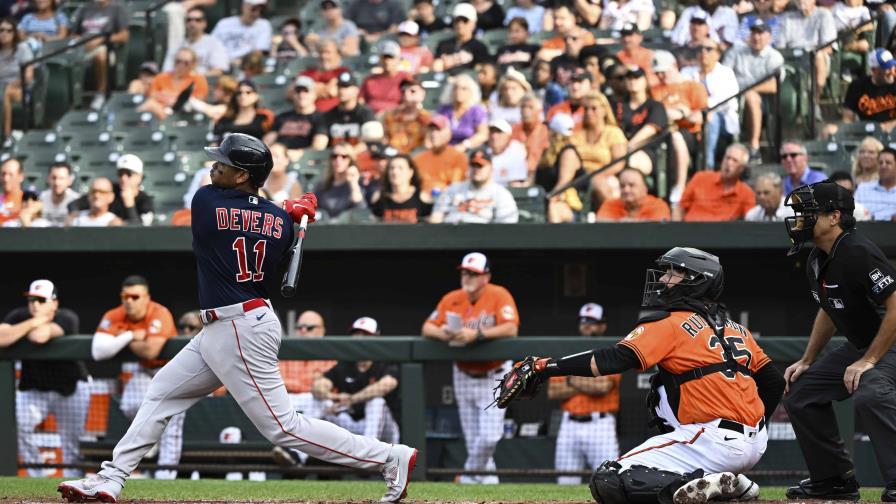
150	32
26	97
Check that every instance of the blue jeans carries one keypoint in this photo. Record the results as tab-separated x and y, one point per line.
715	131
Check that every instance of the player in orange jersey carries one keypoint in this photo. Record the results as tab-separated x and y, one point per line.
714	388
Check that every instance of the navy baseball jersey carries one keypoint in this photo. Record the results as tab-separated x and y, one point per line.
239	240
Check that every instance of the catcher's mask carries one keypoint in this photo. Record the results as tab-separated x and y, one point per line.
810	200
701	275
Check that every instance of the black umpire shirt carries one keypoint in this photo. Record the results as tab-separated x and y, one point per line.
851	285
56	376
348	379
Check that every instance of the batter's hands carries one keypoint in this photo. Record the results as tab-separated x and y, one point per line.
853	374
306	205
793	372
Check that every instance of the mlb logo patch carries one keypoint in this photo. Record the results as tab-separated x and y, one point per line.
253	200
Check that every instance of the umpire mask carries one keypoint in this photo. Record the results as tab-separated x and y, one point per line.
807	202
702	277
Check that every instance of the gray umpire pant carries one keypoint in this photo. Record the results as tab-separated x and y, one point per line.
810	406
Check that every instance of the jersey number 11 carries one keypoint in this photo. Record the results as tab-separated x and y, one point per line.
245	275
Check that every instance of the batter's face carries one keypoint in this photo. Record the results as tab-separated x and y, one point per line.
227	177
472	282
135	300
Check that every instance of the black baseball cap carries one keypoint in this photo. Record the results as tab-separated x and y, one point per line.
629	28
346	79
635	71
832	196
759	25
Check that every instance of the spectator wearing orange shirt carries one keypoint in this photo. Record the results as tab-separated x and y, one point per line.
405	125
165	87
298	376
532	132
562	19
143	326
633	203
633	53
442	164
684	101
587	435
12	175
721	195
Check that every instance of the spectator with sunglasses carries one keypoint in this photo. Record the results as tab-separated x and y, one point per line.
795	162
211	56
244	114
165	88
340	187
189	324
295	128
46	387
99	198
462	51
245	33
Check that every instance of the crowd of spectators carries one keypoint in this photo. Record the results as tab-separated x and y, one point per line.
455	125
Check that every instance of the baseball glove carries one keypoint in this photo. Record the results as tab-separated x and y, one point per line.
523	380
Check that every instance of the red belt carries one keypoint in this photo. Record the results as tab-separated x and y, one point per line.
210	315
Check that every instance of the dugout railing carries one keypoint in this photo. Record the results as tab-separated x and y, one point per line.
415	356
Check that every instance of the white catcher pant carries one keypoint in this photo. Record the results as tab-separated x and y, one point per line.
33	406
239	352
585	445
483	428
172	437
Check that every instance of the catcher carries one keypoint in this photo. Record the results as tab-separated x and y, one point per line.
710	398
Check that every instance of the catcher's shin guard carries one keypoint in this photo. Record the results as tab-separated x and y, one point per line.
636	485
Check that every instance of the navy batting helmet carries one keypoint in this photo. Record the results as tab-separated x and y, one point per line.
245	153
702	277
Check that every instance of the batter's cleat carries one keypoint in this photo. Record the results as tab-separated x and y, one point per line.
746	489
92	489
397	472
836	488
709	487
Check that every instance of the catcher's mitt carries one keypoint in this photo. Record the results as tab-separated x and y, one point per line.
523	380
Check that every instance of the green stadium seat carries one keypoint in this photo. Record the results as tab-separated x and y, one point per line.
271	80
146	139
189	139
89	138
38	140
530	202
124	120
123	101
852	134
99	161
193	160
829	155
79	120
299	65
158	163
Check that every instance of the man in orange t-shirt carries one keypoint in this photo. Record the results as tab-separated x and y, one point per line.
166	87
12	175
442	164
478	311
633	203
143	326
587	435
721	195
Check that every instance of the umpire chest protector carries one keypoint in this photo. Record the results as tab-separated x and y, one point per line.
672	382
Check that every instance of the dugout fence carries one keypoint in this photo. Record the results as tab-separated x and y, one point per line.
219	441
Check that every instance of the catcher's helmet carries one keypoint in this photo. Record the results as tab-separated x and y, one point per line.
703	277
245	153
808	201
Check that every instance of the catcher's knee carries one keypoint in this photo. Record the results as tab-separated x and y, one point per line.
636	485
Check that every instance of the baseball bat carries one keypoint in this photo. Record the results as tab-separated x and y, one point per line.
291	278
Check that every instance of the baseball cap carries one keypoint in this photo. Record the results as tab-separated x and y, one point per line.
562	123
372	131
366	325
881	58
329	3
149	67
663	61
465	10
759	25
346	79
390	48
255	2
409	27
41	288
130	163
439	121
700	16
831	196
501	125
629	28
635	71
480	157
230	435
475	262
591	312
303	81
582	75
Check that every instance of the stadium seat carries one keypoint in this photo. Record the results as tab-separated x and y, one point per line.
123	101
827	155
146	139
100	161
530	202
189	139
89	138
124	120
81	119
852	134
38	140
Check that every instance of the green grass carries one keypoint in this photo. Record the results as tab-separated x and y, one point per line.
278	490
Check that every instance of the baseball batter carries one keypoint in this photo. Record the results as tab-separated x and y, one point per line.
710	396
239	239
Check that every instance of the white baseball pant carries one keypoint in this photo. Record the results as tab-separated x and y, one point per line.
583	445
482	427
172	438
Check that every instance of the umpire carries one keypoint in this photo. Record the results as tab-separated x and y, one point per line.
853	284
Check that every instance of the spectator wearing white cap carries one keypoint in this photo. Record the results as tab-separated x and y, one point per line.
477	200
211	56
243	34
478	311
295	128
873	97
343	32
618	13
375	17
381	91
414	57
751	62
131	204
45	388
509	166
462	51
587	435
99	198
532	12
361	395
721	19
505	102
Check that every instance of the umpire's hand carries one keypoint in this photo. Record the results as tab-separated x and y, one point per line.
854	372
793	372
